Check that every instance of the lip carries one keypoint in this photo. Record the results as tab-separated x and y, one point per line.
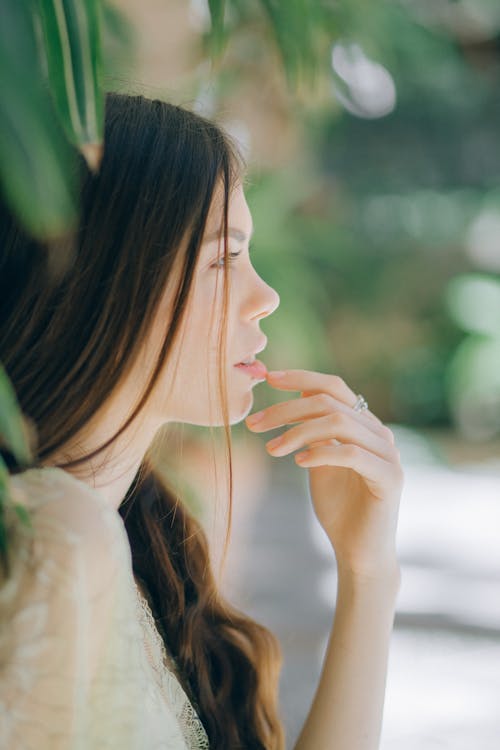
257	370
260	347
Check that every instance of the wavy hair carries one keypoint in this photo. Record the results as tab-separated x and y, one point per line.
67	341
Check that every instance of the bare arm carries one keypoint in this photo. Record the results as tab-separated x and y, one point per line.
355	481
346	713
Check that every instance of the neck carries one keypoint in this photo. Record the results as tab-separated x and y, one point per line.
113	471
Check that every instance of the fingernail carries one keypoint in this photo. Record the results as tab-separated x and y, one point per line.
254	418
277	373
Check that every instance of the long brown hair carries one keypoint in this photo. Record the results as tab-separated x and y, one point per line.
67	340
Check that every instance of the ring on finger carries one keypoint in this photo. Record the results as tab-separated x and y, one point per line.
361	403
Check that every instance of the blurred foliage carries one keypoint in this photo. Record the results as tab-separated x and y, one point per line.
296	30
53	60
414	183
51	96
34	175
474	374
395	196
16	437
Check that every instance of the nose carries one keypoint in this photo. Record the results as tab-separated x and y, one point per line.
265	300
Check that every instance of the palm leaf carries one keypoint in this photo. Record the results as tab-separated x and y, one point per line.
34	157
71	33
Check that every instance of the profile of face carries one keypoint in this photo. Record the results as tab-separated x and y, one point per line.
187	390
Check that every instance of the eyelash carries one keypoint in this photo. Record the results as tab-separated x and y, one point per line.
221	261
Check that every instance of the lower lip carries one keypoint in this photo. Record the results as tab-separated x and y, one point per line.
256	370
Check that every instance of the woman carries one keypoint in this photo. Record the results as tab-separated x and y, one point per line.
113	632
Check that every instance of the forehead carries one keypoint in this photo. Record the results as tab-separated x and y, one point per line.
239	216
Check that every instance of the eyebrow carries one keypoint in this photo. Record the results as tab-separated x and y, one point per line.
236	234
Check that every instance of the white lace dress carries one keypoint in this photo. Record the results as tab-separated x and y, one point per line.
82	665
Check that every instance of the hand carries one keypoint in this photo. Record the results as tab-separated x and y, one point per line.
355	474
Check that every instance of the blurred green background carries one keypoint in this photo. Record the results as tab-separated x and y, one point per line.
374	186
385	247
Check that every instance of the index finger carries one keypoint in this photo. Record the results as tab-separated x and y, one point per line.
311	382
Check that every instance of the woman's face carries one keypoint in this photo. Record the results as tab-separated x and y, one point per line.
188	390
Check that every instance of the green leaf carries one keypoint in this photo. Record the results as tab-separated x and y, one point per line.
12	430
35	158
218	35
71	32
294	25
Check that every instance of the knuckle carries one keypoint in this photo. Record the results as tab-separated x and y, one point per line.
324	400
394	455
352	451
388	433
337	418
338	383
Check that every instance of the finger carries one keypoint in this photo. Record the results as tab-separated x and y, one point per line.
368	415
318	405
309	380
381	476
313	382
337	425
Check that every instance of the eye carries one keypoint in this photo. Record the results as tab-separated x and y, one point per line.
221	262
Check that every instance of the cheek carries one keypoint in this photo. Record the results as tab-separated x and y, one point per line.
200	339
207	318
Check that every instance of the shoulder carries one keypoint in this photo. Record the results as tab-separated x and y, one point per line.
60	606
71	524
53	496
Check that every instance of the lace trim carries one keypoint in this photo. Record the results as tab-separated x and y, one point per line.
167	673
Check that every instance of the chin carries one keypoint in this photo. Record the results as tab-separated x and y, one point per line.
239	405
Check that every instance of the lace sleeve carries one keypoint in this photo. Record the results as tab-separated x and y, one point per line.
166	671
54	619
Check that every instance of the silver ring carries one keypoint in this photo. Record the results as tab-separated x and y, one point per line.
361	404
